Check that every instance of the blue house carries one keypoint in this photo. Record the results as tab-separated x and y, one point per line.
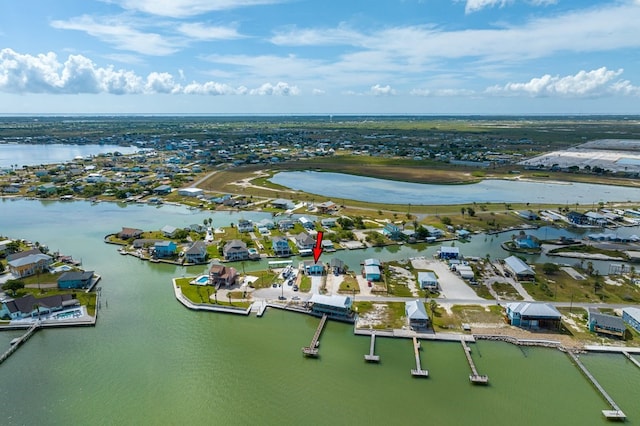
449	252
165	249
533	315
75	279
428	280
312	268
606	324
371	272
632	317
280	246
526	242
392	231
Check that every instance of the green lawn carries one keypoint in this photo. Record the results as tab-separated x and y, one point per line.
349	284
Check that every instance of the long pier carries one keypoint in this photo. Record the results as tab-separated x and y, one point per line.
16	343
371	357
418	372
474	377
615	413
312	349
632	359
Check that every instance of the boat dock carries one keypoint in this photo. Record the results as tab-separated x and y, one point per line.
418	372
474	377
615	413
632	359
312	349
16	343
370	357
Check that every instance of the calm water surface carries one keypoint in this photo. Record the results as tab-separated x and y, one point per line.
337	185
151	361
32	155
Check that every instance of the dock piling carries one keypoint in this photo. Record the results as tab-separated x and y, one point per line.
615	413
312	349
474	377
418	372
371	357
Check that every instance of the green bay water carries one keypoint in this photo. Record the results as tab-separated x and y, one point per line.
151	361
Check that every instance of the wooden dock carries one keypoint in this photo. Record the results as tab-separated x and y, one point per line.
312	349
474	377
632	359
615	413
371	357
418	372
16	343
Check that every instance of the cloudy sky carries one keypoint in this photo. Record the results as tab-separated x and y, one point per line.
320	56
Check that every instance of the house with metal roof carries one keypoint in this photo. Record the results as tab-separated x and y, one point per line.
334	306
610	325
632	317
416	314
75	279
446	252
518	268
428	280
30	264
235	250
533	315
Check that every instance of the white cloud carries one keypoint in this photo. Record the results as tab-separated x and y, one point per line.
185	8
44	73
120	34
442	92
199	31
476	5
595	83
378	90
280	89
318	92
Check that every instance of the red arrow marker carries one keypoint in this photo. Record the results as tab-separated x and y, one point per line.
317	250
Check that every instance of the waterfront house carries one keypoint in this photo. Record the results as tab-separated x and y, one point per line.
191	192
595	218
577	218
169	231
46	189
164	249
304	241
533	315
525	241
286	224
235	250
280	246
127	233
328	222
31	307
281	203
392	232
27	263
463	234
518	268
632	317
4	245
337	266
610	325
416	314
306	223
335	306
528	215
75	279
140	243
428	280
371	273
222	276
245	225
327	207
447	252
162	190
313	268
197	253
266	223
434	232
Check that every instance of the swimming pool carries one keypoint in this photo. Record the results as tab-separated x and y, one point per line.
68	315
201	280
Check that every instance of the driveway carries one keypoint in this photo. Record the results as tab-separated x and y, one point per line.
451	285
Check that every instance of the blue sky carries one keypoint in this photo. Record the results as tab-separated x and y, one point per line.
320	57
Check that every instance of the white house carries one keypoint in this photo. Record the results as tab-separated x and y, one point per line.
428	280
191	192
